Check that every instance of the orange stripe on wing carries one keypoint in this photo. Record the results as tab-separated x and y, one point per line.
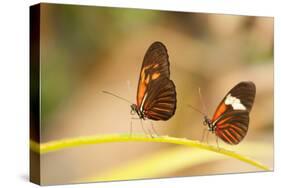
237	134
220	110
222	135
144	80
232	137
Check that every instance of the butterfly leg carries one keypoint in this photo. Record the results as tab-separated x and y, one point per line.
131	125
203	134
131	128
217	141
143	128
150	133
155	132
207	137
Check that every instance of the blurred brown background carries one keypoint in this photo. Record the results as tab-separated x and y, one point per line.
85	50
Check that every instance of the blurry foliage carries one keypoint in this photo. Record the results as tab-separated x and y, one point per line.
82	36
76	40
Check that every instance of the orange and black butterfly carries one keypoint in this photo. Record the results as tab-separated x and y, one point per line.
156	95
231	119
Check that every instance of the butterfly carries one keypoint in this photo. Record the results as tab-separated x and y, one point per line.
156	94
231	119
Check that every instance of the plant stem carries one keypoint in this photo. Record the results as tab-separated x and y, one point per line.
110	138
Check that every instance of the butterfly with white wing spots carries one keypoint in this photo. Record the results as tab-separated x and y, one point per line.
231	119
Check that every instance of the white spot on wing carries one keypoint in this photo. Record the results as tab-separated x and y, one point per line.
234	102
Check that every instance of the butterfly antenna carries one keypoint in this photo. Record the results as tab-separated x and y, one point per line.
195	109
202	102
129	86
112	94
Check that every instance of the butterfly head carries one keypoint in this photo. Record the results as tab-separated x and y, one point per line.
208	122
134	109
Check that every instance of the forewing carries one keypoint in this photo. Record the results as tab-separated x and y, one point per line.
232	127
240	98
160	101
155	66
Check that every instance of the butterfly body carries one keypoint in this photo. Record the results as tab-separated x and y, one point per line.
136	110
207	121
231	119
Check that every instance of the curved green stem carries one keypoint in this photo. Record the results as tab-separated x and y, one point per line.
79	141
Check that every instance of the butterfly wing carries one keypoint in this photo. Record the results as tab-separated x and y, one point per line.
232	127
160	101
155	66
231	117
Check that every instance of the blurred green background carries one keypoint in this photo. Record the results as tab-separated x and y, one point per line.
86	49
